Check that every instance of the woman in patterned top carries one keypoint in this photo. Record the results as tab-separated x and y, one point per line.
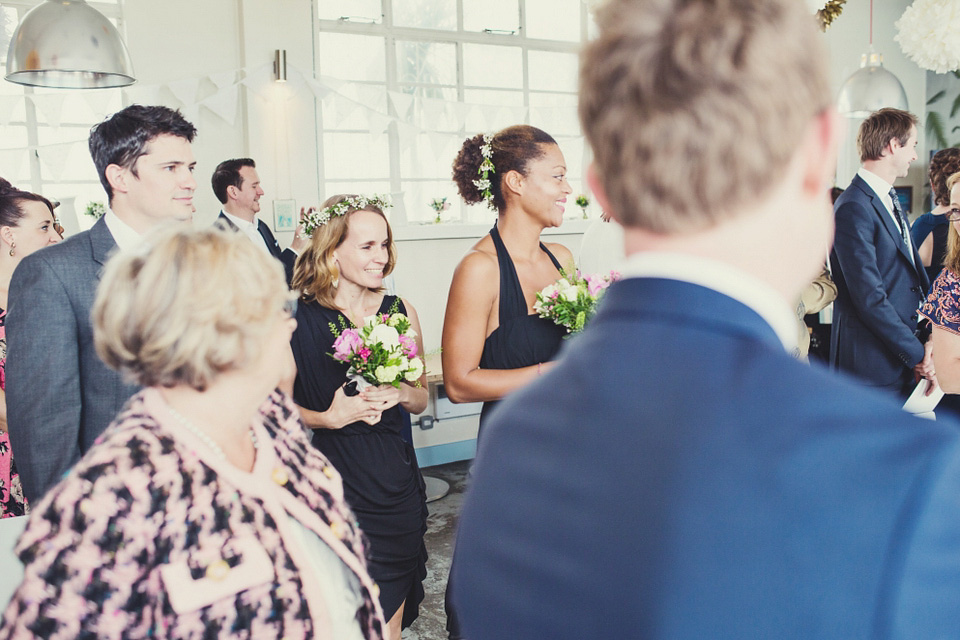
203	510
27	223
942	307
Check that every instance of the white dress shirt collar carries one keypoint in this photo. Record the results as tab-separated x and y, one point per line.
724	279
880	186
123	234
249	229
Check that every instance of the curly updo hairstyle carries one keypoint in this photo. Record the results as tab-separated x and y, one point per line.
11	203
943	164
513	148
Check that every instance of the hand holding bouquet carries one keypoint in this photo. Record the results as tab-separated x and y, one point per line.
572	300
382	351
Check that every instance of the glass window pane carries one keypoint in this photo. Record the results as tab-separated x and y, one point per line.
358	187
350	56
553	19
355	156
426	14
551	71
417	197
426	62
8	24
495	15
492	66
360	9
493	110
430	155
555	113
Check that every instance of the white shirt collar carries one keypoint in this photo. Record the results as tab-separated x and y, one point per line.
242	224
722	278
123	234
880	186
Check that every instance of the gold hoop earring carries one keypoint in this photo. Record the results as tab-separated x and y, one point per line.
13	245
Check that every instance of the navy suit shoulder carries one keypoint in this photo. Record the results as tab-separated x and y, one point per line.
60	395
671	478
879	288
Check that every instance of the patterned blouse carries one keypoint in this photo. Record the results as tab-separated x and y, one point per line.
152	536
942	306
12	501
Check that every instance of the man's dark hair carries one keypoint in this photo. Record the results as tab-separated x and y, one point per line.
122	138
227	174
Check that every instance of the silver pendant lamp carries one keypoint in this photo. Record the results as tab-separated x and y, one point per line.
68	44
870	87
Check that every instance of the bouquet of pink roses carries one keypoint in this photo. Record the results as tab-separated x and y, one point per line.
382	351
572	300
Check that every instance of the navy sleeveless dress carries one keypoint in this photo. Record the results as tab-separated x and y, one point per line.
523	339
381	478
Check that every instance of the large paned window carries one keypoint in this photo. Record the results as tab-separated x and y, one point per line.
429	73
43	146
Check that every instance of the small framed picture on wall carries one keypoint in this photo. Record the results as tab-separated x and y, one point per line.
284	215
905	195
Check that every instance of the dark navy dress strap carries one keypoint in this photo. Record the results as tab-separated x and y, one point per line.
512	302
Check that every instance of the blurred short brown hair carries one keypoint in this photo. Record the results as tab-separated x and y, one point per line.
694	108
880	128
185	306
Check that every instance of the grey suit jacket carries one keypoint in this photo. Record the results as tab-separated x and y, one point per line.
60	395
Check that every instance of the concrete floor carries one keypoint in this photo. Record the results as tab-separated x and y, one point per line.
441	531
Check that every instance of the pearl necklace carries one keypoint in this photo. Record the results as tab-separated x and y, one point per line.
206	439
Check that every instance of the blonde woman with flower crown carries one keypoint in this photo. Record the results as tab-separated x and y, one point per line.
493	342
340	279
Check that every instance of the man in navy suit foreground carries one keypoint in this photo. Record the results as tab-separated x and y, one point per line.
879	275
678	474
237	186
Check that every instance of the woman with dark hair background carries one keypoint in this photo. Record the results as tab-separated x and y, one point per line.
929	231
27	223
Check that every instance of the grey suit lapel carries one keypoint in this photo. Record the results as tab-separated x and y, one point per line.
102	243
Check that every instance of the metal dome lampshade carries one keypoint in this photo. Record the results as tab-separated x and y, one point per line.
869	88
68	44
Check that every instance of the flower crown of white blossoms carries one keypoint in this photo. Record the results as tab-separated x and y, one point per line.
483	184
315	219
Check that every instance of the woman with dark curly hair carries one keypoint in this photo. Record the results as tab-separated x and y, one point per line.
929	231
493	342
27	223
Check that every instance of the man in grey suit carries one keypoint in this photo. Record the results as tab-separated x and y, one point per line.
60	396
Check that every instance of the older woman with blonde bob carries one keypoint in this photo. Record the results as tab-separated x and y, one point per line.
340	279
203	510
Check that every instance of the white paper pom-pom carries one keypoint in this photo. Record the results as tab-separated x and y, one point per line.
929	34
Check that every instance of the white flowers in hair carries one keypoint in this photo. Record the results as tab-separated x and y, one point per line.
929	34
316	219
483	183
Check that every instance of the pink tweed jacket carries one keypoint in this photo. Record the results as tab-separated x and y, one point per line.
151	536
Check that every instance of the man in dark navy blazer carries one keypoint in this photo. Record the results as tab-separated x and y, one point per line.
237	186
879	275
60	395
677	474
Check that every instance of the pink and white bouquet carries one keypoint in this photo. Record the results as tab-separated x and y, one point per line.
572	300
382	351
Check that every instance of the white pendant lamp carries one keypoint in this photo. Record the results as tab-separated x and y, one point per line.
68	44
870	87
